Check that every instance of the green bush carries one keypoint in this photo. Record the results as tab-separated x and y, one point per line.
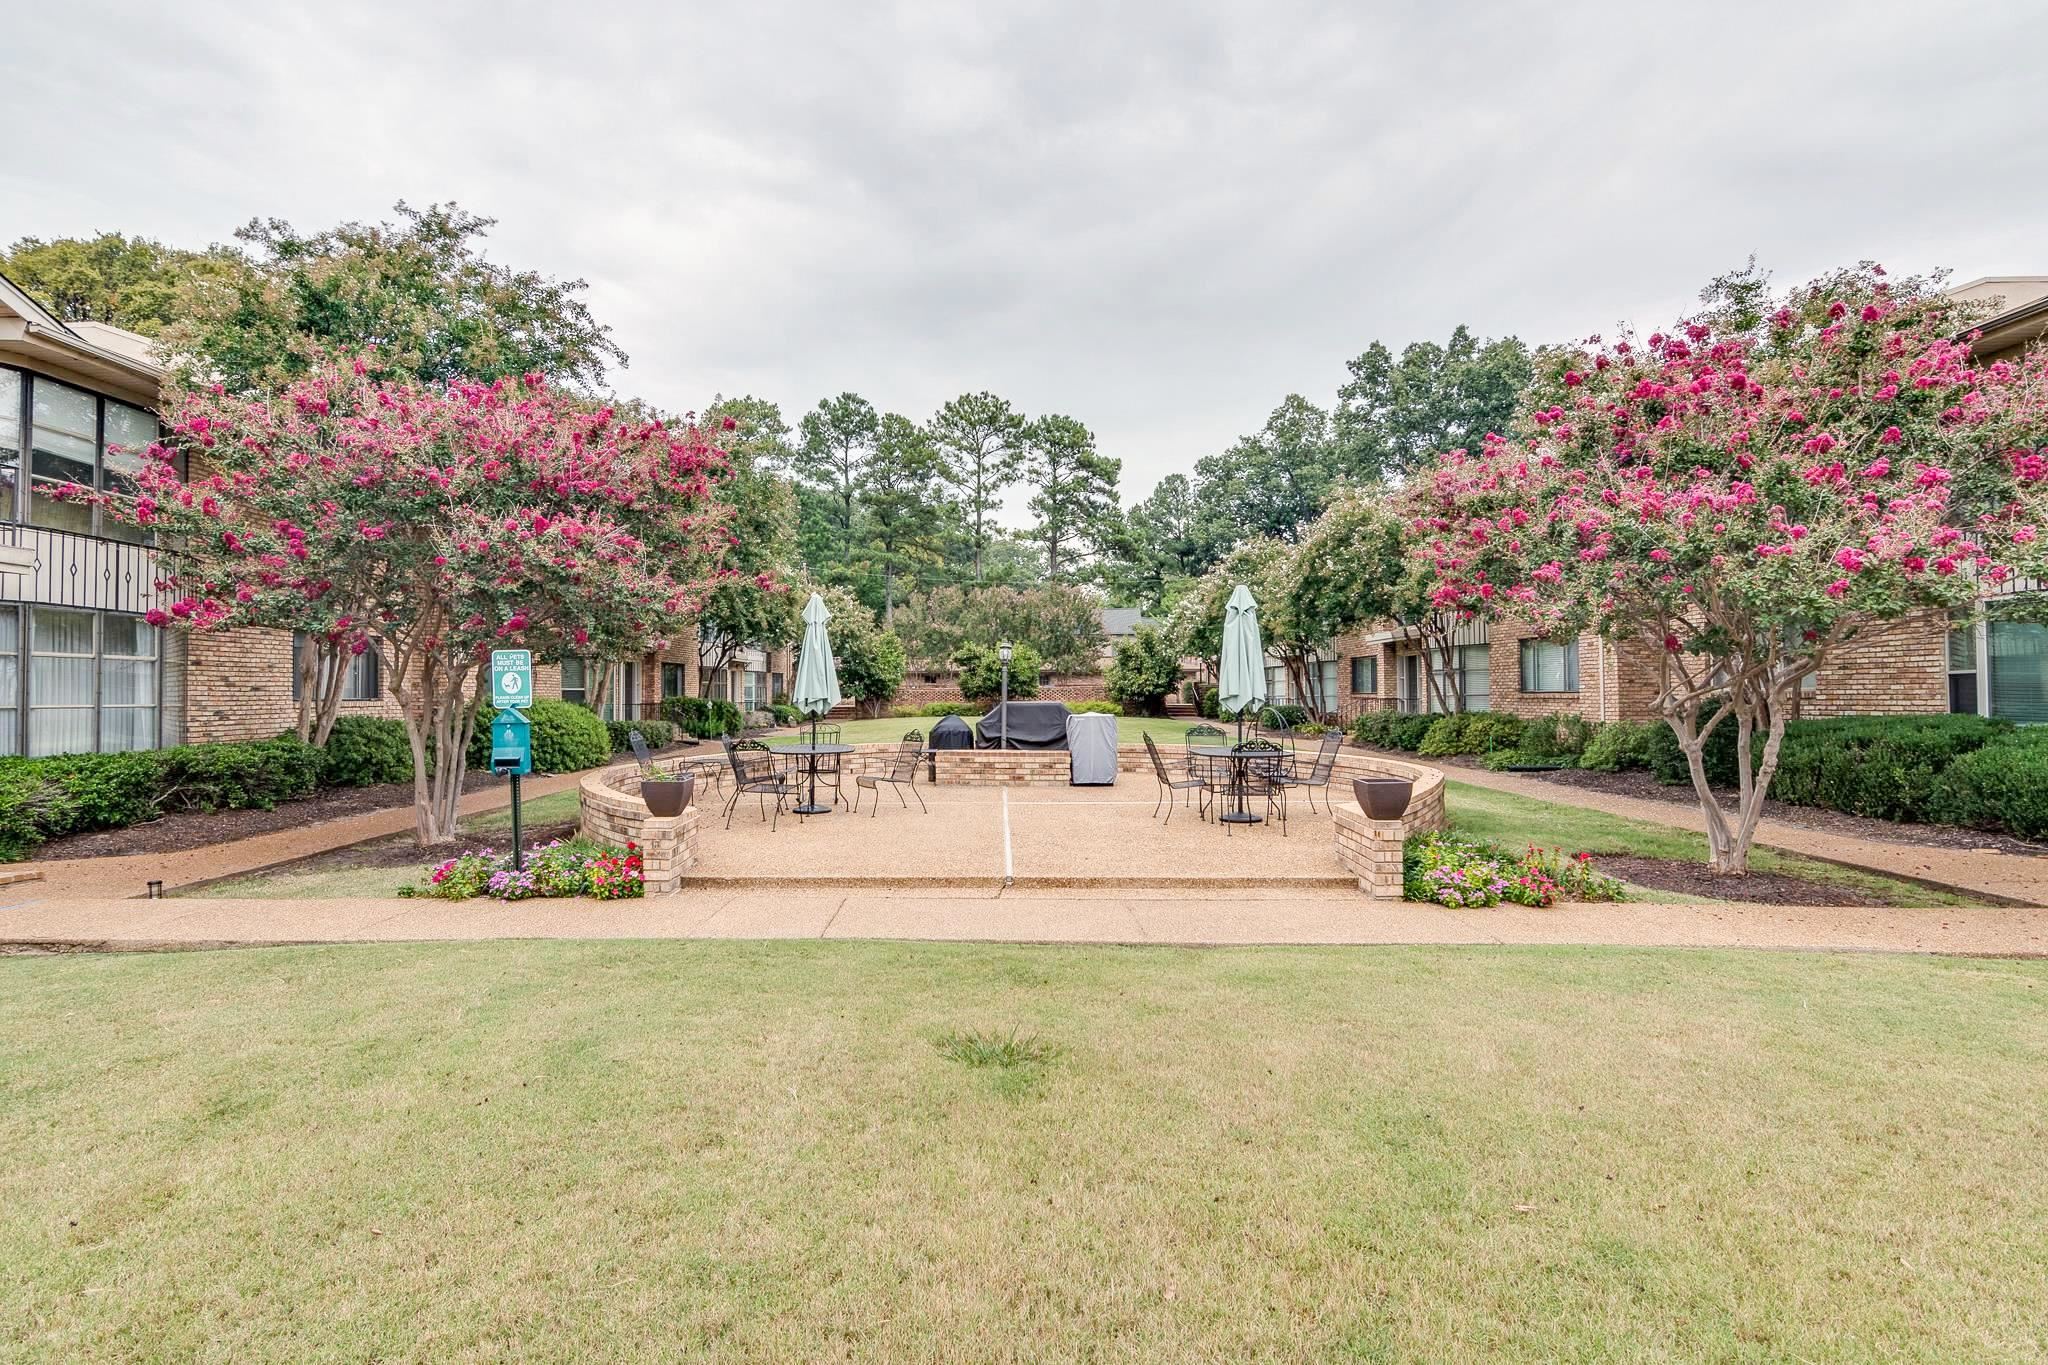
1391	730
2000	785
567	737
1470	732
1095	708
43	798
1667	759
1884	767
1555	737
785	714
658	734
366	751
981	672
936	709
1285	717
702	717
1621	746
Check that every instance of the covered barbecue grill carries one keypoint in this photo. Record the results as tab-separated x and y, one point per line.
1030	725
950	733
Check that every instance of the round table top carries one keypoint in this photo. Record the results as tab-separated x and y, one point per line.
1226	751
813	748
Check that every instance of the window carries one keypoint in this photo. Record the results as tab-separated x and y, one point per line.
2017	652
1276	685
1548	666
575	681
1365	675
66	434
1962	666
363	683
776	691
131	430
77	443
1326	686
94	681
1476	663
10	680
128	683
672	681
12	389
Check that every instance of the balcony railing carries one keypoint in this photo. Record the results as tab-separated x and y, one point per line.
72	570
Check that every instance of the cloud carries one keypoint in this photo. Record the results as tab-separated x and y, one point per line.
1158	219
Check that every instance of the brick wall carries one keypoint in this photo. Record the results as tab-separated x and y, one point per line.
1897	669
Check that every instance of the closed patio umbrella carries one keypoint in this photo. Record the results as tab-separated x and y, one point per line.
1241	683
817	680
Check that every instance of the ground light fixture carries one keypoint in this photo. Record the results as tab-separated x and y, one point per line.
1003	652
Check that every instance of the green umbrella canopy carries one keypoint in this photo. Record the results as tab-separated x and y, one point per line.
1243	681
817	681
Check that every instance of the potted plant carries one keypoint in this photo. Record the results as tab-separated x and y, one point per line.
1382	798
668	796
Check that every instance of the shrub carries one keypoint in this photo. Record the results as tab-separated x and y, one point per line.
659	734
1284	717
702	717
1470	732
1621	746
366	751
1667	759
2000	785
1391	730
1144	671
1095	708
785	714
981	672
567	737
1884	767
1555	737
43	798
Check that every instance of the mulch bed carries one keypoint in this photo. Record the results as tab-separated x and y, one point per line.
181	830
1646	787
401	851
1697	879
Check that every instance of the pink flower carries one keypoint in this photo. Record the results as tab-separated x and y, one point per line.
1572	379
1838	588
1892	436
1850	558
156	616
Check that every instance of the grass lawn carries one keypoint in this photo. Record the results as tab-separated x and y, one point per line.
1513	821
892	1152
1129	730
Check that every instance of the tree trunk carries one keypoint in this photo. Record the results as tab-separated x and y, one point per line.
443	720
1730	835
322	677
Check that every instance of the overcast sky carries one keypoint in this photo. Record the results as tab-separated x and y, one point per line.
1158	218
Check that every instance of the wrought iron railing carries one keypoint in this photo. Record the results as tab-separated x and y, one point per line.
73	570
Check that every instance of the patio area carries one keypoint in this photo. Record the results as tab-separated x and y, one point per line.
1022	835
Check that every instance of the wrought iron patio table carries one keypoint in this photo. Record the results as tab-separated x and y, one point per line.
811	753
1240	761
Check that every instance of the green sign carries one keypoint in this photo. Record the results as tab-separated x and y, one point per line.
511	678
511	743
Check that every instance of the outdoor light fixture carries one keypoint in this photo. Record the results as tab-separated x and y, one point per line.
1003	652
156	891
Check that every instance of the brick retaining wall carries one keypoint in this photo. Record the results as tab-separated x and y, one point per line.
613	813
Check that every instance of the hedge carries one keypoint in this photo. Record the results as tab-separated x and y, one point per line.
366	751
658	734
702	717
1884	767
43	798
2000	785
1470	732
567	737
1391	730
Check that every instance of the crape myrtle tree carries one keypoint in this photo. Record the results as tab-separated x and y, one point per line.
432	525
1742	495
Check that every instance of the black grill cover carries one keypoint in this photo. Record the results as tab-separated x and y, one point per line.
1032	725
950	732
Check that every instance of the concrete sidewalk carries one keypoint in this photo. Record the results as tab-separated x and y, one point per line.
1137	917
127	875
2005	877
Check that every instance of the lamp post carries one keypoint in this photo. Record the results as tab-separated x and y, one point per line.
1003	652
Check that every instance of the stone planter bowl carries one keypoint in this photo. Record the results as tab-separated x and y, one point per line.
1382	798
671	796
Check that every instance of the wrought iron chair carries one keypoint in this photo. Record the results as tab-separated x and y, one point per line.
1196	736
1266	772
831	773
755	772
901	773
641	754
1170	786
1317	774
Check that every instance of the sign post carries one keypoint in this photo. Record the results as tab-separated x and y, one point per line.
511	734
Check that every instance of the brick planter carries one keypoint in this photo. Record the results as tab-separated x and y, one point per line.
1371	849
613	813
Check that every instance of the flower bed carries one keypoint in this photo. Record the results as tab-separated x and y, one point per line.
575	867
1450	869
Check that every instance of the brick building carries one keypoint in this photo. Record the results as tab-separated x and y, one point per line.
81	669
